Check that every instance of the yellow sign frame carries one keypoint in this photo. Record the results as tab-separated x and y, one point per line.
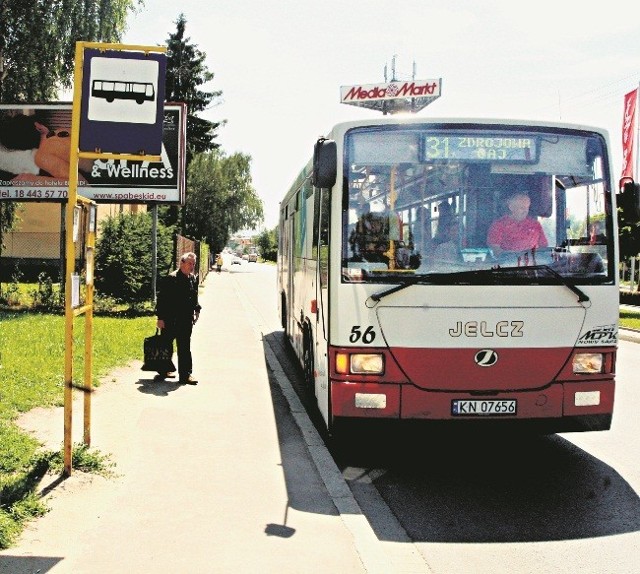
86	205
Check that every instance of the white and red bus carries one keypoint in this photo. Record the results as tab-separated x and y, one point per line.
397	305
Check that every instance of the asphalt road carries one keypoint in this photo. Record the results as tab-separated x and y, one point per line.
558	503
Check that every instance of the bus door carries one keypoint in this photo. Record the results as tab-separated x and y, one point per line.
287	272
321	254
321	248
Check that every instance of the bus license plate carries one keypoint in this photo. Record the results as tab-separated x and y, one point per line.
480	407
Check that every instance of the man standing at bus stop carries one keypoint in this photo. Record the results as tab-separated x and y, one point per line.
178	310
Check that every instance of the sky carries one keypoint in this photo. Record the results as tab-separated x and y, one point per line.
280	66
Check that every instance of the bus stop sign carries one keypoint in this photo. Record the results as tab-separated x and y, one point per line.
122	102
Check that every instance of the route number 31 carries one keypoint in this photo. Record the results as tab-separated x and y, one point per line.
367	336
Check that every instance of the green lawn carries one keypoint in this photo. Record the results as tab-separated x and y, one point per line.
32	374
630	319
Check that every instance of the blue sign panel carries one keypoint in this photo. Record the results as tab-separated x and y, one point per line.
122	102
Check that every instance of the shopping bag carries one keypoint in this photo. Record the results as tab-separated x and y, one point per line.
158	351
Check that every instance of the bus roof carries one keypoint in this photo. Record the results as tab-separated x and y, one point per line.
338	131
343	127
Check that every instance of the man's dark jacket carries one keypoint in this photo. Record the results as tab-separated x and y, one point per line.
177	298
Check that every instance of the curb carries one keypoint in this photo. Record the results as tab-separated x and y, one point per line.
377	557
629	335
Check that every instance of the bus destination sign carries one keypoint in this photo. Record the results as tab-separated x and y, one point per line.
481	147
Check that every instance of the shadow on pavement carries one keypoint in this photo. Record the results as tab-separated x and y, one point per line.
158	388
447	487
489	487
28	564
305	489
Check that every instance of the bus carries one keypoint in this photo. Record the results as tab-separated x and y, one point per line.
400	303
119	90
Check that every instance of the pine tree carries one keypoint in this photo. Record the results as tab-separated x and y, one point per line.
186	74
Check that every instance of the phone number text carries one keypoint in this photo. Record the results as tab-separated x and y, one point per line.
33	194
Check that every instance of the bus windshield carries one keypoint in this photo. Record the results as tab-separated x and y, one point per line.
444	203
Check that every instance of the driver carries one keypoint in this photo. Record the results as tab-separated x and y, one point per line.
516	231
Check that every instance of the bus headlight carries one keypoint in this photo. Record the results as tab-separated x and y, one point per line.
367	364
588	362
360	363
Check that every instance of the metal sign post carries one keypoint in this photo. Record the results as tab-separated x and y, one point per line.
95	128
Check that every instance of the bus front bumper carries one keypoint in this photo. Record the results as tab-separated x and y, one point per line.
563	405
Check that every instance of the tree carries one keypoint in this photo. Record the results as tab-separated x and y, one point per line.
629	234
37	49
38	41
220	198
267	241
123	257
186	74
7	219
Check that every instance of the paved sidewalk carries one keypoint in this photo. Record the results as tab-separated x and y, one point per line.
212	478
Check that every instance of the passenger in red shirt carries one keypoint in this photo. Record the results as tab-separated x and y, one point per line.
516	231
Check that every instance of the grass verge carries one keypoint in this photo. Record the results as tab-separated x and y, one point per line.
32	355
630	319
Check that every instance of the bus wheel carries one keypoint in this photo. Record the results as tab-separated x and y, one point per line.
337	439
308	360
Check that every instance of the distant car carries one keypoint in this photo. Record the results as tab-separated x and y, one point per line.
245	256
253	257
235	260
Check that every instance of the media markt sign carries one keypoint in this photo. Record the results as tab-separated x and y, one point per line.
122	102
395	96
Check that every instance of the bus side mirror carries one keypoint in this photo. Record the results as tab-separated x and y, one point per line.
325	163
629	199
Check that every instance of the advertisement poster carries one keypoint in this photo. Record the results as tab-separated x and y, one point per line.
34	160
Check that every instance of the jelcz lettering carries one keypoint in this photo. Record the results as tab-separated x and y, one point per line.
487	330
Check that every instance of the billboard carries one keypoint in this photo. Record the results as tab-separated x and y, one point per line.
34	160
394	96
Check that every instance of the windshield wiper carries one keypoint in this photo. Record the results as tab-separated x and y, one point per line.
427	279
377	296
495	271
525	270
582	296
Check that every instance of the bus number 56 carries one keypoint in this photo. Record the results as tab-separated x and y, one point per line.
366	337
